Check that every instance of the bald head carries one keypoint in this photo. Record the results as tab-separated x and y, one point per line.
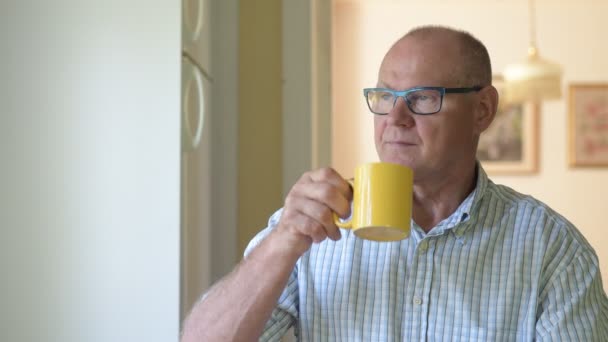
473	67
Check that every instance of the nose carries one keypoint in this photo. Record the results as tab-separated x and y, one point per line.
401	115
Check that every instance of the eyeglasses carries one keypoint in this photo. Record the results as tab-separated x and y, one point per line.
420	100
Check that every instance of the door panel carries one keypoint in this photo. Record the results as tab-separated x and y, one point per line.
196	192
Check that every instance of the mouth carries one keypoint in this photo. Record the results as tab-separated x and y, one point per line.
399	143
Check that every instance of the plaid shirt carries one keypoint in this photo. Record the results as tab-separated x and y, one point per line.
502	267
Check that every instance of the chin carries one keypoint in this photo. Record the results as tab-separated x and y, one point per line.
401	160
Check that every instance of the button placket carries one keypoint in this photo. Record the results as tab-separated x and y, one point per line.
413	315
421	300
459	235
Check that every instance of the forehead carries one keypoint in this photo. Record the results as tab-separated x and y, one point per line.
421	61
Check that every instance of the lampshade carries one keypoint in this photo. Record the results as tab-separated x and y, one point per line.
534	79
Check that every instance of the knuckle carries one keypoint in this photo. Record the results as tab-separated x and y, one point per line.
294	197
287	214
306	176
289	201
326	173
295	189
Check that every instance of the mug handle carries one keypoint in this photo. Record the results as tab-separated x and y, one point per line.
345	224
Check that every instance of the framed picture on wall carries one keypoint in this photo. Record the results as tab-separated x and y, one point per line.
510	144
588	124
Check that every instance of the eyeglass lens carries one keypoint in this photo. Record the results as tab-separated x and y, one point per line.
423	101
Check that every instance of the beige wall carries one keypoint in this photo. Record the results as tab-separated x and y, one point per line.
569	32
260	166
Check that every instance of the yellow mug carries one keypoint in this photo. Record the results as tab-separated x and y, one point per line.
382	202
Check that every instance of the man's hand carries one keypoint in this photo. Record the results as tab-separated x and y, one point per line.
308	211
240	304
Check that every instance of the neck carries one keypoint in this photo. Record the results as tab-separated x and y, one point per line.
436	198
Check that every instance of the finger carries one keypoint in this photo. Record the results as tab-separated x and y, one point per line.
324	193
304	225
324	216
331	176
320	215
313	218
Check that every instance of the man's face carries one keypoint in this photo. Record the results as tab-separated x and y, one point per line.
429	144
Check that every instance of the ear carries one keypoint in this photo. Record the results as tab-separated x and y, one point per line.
486	108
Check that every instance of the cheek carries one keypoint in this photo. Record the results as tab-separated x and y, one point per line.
378	127
459	135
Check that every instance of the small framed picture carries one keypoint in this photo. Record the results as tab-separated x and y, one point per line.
510	144
588	138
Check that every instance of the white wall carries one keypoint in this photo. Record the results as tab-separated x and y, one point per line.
89	177
569	32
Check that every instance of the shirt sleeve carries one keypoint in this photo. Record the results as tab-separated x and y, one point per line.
573	304
285	314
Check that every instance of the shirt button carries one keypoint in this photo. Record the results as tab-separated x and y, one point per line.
424	245
417	300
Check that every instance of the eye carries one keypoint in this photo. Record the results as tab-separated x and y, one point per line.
386	96
424	96
381	96
421	97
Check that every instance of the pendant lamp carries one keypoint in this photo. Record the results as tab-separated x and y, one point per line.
534	79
